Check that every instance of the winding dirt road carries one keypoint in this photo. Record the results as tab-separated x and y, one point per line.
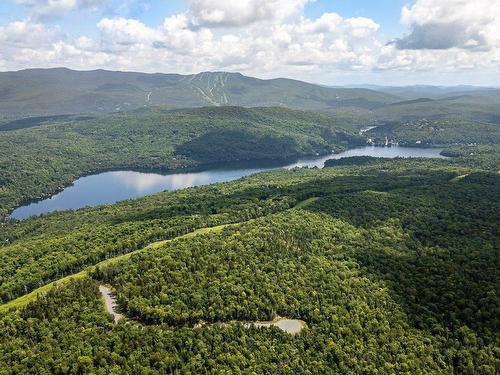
110	302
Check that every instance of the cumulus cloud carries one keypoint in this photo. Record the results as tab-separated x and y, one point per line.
124	32
273	48
253	37
23	34
44	10
447	24
242	12
24	44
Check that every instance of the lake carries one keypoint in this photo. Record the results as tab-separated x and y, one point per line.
111	187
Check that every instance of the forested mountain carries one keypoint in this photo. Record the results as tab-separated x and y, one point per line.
481	105
62	148
443	132
24	93
413	92
392	264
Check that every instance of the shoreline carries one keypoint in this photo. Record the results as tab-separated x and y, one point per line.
231	165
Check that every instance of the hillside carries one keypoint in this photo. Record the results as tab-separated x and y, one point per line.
443	132
391	265
480	105
62	149
40	92
50	92
412	92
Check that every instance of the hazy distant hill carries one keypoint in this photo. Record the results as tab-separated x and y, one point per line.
436	102
60	91
52	92
428	91
479	105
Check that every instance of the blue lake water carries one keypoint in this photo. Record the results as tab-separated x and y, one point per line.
111	187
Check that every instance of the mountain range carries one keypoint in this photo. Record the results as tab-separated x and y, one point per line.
61	91
57	91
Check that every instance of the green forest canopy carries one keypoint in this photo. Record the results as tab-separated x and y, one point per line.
393	265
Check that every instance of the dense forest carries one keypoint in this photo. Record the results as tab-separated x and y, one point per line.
425	133
392	264
478	156
68	147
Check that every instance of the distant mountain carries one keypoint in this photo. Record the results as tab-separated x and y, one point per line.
478	105
437	102
41	92
35	94
428	91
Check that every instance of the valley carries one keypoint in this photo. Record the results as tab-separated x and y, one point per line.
252	187
111	187
159	139
224	238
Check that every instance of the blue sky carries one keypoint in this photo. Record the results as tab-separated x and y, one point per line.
152	13
384	12
325	41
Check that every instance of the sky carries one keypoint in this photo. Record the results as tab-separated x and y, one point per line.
330	42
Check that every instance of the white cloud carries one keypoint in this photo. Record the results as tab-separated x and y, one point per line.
256	39
241	12
23	34
458	38
447	24
267	49
125	32
43	10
